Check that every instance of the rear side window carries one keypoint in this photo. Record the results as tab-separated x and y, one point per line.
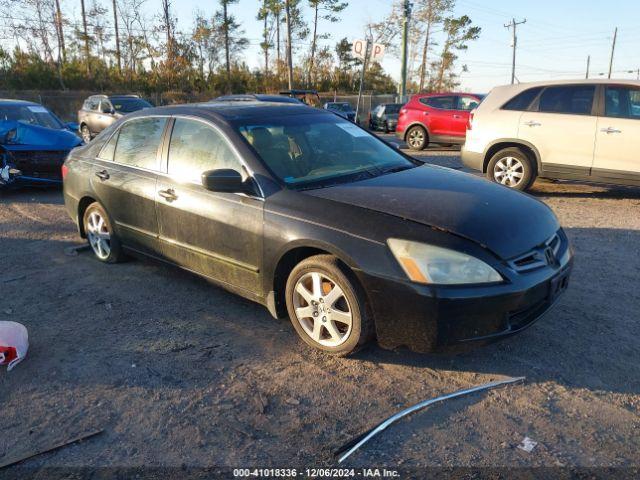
569	99
523	100
109	149
195	148
443	103
139	141
622	102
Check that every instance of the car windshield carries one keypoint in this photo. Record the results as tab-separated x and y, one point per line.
311	151
31	114
342	107
392	109
128	105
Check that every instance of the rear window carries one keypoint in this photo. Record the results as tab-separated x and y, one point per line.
523	100
569	99
392	109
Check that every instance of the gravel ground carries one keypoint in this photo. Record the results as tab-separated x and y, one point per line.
180	373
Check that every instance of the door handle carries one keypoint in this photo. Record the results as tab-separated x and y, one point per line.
457	116
610	130
425	113
532	123
103	175
169	195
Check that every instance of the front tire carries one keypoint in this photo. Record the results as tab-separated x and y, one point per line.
512	168
100	234
326	307
417	138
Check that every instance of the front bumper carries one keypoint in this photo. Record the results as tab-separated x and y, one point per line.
425	318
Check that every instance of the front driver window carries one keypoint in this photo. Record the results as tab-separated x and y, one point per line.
195	148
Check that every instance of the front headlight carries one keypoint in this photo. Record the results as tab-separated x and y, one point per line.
435	265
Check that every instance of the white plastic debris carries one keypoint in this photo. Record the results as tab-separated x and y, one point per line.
14	343
527	444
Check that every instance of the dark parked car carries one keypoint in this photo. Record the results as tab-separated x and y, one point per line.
344	109
100	111
33	143
385	117
316	218
260	97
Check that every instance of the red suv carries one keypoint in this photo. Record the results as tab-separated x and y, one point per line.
436	118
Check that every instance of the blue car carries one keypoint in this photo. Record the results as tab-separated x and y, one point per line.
34	143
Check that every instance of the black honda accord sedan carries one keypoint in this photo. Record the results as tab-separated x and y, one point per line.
315	218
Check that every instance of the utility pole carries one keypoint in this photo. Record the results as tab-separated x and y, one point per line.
405	46
588	64
287	7
613	49
367	49
514	42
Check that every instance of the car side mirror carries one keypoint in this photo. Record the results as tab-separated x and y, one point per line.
226	180
107	109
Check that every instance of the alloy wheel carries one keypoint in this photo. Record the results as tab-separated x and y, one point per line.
416	138
98	235
322	309
508	171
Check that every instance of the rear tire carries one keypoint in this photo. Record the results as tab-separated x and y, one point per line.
512	168
326	306
417	138
101	236
85	133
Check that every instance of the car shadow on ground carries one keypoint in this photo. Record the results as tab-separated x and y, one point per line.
49	195
575	189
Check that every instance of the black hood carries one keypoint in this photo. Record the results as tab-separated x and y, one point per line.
505	221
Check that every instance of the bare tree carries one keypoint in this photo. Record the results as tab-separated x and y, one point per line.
85	35
117	35
322	10
429	13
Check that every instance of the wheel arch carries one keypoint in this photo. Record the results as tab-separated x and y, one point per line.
291	256
527	148
83	204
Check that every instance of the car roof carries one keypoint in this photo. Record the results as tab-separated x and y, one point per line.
581	81
228	111
13	102
263	97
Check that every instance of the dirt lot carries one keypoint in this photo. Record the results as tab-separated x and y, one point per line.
180	373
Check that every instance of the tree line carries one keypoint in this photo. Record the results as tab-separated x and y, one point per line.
118	45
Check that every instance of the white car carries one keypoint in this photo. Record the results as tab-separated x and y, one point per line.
578	130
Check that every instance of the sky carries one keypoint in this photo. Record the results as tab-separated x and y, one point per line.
553	43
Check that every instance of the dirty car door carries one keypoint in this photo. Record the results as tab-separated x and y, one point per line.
216	234
124	179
